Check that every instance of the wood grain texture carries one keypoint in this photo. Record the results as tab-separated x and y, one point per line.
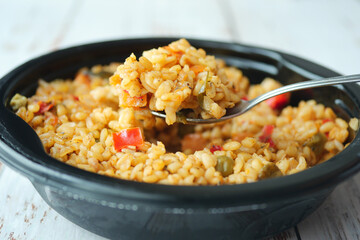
338	217
327	32
24	215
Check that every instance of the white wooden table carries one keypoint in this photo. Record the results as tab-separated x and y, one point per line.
327	32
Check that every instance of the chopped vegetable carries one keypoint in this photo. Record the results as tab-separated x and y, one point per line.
266	135
18	101
225	165
128	137
125	100
181	118
317	143
44	107
279	101
200	99
245	98
269	170
202	91
215	148
326	120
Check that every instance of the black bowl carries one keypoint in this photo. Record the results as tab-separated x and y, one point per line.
123	209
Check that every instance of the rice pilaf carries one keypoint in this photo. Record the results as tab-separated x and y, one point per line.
108	128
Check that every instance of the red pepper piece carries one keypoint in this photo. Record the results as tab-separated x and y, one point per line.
278	102
245	98
215	148
326	120
44	107
266	135
128	137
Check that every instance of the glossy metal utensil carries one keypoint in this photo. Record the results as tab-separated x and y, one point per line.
245	106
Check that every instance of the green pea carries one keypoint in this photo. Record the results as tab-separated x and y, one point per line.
225	165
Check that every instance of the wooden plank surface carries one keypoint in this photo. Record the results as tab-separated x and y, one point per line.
325	31
338	217
24	215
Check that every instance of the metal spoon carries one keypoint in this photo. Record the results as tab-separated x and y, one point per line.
245	106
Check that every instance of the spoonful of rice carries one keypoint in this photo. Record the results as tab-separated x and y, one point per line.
245	105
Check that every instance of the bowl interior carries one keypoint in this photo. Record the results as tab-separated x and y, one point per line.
256	63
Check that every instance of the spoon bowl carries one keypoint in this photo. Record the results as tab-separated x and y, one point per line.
244	105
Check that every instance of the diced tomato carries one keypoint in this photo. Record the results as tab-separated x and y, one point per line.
268	130
245	98
125	100
44	107
193	141
128	137
215	148
278	102
326	120
266	135
76	98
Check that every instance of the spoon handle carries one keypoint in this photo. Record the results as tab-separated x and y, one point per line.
305	85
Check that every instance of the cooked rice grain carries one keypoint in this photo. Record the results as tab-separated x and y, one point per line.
83	114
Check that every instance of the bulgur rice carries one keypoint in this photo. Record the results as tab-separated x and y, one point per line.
80	122
179	76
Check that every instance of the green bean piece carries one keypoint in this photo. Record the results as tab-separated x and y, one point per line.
181	118
317	143
202	91
269	170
